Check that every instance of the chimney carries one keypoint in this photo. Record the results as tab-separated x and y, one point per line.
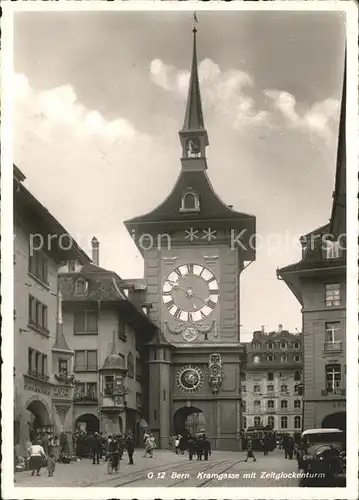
262	328
280	328
95	251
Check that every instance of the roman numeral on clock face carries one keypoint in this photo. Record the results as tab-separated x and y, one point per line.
177	313
190	268
170	303
211	279
177	271
210	303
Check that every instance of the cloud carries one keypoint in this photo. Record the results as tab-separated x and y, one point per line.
234	95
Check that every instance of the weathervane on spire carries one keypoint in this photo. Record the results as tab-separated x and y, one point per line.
195	21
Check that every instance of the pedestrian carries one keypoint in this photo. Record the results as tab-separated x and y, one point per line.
113	455
177	443
290	448
266	446
250	453
45	443
206	447
37	458
130	446
286	446
150	445
191	447
95	447
199	446
51	463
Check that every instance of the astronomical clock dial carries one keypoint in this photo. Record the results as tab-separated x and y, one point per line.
189	378
190	292
193	148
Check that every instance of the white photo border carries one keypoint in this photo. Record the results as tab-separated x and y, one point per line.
9	490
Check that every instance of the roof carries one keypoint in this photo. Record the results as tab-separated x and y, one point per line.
38	220
60	340
114	361
319	431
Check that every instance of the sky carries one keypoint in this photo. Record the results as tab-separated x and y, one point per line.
99	98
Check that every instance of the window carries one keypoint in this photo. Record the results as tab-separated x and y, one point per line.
130	365
297	376
284	388
283	345
271	422
330	332
270	376
86	322
190	202
270	345
256	388
81	286
283	358
256	345
109	384
270	357
297	422
63	366
37	364
86	361
332	295
284	422
296	345
270	388
270	404
257	405
138	368
332	249
333	377
37	314
297	358
297	403
86	391
284	404
244	422
38	265
257	421
256	360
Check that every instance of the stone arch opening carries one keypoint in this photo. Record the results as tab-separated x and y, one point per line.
336	420
87	423
38	417
189	420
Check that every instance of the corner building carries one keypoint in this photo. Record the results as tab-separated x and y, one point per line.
193	263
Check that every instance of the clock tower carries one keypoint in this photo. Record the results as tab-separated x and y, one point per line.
195	248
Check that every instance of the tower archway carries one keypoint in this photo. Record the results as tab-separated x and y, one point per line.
336	420
38	417
87	423
189	421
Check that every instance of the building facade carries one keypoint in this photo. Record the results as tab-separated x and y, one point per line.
193	264
319	283
272	384
107	337
41	400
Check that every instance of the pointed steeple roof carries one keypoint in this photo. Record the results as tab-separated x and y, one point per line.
60	340
113	361
338	216
193	120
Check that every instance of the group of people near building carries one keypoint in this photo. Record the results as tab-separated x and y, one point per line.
197	445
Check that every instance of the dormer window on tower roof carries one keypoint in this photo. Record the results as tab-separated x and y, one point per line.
190	201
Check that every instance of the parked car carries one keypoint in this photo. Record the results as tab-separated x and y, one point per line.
322	451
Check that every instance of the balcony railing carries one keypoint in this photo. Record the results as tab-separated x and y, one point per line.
38	375
85	398
336	391
336	346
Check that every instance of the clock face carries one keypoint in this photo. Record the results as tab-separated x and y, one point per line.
189	378
190	292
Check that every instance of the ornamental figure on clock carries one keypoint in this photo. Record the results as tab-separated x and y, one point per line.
190	294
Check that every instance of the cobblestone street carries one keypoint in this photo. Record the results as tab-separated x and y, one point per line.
169	470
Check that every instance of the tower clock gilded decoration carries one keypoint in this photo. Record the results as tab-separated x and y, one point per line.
199	248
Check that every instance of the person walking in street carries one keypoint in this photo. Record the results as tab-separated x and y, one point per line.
206	447
51	463
113	455
130	446
108	441
286	446
250	453
177	443
150	445
95	447
290	448
266	446
37	458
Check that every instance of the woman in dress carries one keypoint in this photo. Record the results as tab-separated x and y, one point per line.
37	457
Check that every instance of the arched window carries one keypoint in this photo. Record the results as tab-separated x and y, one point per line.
284	422
283	345
270	357
244	422
190	201
297	422
270	345
284	358
130	366
81	286
256	345
257	421
271	422
284	404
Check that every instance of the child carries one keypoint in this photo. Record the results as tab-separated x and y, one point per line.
51	464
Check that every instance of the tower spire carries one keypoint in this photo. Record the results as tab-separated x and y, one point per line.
193	135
